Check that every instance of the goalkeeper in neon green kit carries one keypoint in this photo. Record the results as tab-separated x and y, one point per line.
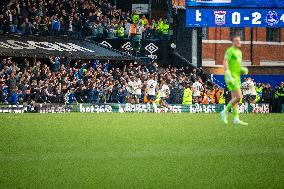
233	70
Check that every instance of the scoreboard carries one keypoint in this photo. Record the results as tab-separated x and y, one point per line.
237	3
235	13
202	17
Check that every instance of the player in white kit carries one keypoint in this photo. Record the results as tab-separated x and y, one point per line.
151	89
197	87
252	90
164	94
137	85
132	90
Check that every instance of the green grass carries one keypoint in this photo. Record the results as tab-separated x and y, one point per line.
140	151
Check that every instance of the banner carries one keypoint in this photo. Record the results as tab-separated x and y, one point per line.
42	47
129	108
140	8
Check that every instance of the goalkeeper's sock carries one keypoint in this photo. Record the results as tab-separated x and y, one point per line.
237	120
228	107
235	113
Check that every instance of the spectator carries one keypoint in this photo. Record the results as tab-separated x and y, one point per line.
1	24
13	97
27	27
267	94
50	81
79	18
120	30
55	25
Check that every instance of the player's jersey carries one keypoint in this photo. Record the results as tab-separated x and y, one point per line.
151	86
137	85
245	88
251	87
197	88
165	91
131	87
234	57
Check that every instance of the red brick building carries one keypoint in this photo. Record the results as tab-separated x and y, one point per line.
263	49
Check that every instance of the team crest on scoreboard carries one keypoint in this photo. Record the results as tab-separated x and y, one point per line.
272	18
220	17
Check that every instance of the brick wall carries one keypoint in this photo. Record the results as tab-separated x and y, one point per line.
263	52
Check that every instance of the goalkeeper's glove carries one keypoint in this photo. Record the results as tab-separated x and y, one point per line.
244	70
229	77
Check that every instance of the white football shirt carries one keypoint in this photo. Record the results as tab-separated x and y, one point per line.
197	88
151	86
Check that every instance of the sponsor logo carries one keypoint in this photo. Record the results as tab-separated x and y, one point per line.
95	108
139	108
199	108
12	109
127	46
220	17
49	46
54	108
106	44
254	108
152	48
260	108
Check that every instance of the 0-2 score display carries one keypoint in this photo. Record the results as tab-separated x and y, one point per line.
234	18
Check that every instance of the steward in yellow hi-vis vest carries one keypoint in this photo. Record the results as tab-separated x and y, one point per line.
160	26
222	98
166	28
120	31
135	18
258	93
187	94
158	98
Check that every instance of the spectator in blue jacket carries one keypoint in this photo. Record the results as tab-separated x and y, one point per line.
13	97
55	25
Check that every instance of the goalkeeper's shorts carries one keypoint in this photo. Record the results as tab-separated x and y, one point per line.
233	86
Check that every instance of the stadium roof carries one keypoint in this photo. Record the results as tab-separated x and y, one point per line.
44	47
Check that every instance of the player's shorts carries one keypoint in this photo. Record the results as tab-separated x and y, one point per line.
163	99
133	96
233	86
151	97
137	96
246	98
195	98
252	98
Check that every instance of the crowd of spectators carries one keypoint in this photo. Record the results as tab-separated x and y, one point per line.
78	18
59	80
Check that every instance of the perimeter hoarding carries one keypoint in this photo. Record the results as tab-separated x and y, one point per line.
128	108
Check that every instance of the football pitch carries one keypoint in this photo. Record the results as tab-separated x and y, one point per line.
140	151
